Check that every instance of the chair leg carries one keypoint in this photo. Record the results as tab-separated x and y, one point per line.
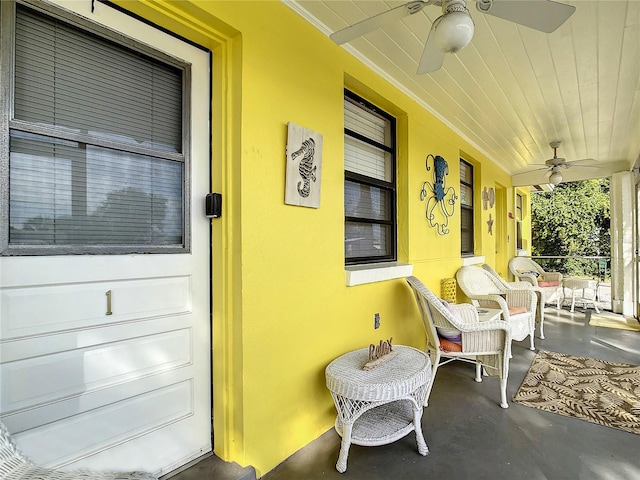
478	372
595	299
541	315
435	362
503	393
531	337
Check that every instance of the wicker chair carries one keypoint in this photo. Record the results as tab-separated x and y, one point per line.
14	465
482	287
521	286
486	344
527	270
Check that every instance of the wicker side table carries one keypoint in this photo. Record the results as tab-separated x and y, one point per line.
581	284
378	406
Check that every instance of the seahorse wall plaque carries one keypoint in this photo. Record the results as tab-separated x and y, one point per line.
304	166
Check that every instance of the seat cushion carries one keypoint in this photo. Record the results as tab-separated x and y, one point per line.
453	310
447	346
450	334
517	310
548	283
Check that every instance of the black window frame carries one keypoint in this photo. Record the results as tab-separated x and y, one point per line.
390	187
469	212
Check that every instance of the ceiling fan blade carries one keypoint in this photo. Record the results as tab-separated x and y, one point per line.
368	25
545	16
432	57
582	160
578	163
531	171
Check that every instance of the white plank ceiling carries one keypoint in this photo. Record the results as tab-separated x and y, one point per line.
513	90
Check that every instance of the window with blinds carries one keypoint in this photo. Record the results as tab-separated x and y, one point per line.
466	208
369	188
96	143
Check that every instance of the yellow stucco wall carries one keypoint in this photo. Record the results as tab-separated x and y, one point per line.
282	310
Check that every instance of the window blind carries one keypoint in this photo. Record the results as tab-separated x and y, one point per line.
364	201
367	240
466	231
466	195
362	157
67	192
365	159
71	78
365	123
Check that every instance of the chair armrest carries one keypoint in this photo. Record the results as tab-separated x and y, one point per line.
487	326
521	298
468	312
519	285
490	300
491	336
471	320
530	279
552	276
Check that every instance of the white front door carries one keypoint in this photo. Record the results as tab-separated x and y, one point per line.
105	359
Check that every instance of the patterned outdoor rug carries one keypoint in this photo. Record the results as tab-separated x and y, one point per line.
606	393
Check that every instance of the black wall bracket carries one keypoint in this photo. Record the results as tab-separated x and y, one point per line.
213	205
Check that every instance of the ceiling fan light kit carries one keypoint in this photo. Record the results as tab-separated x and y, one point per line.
454	31
556	177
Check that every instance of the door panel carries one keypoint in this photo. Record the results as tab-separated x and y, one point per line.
50	308
93	368
118	381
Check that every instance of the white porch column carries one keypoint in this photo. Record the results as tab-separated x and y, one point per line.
622	243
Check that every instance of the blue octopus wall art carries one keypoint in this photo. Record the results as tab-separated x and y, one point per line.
438	194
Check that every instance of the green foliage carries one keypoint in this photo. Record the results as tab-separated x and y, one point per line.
572	220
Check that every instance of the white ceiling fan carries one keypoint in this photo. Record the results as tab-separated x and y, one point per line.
556	164
452	31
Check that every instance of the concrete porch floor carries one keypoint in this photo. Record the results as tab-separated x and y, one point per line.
471	437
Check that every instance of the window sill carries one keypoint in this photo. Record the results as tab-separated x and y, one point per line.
475	260
376	272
